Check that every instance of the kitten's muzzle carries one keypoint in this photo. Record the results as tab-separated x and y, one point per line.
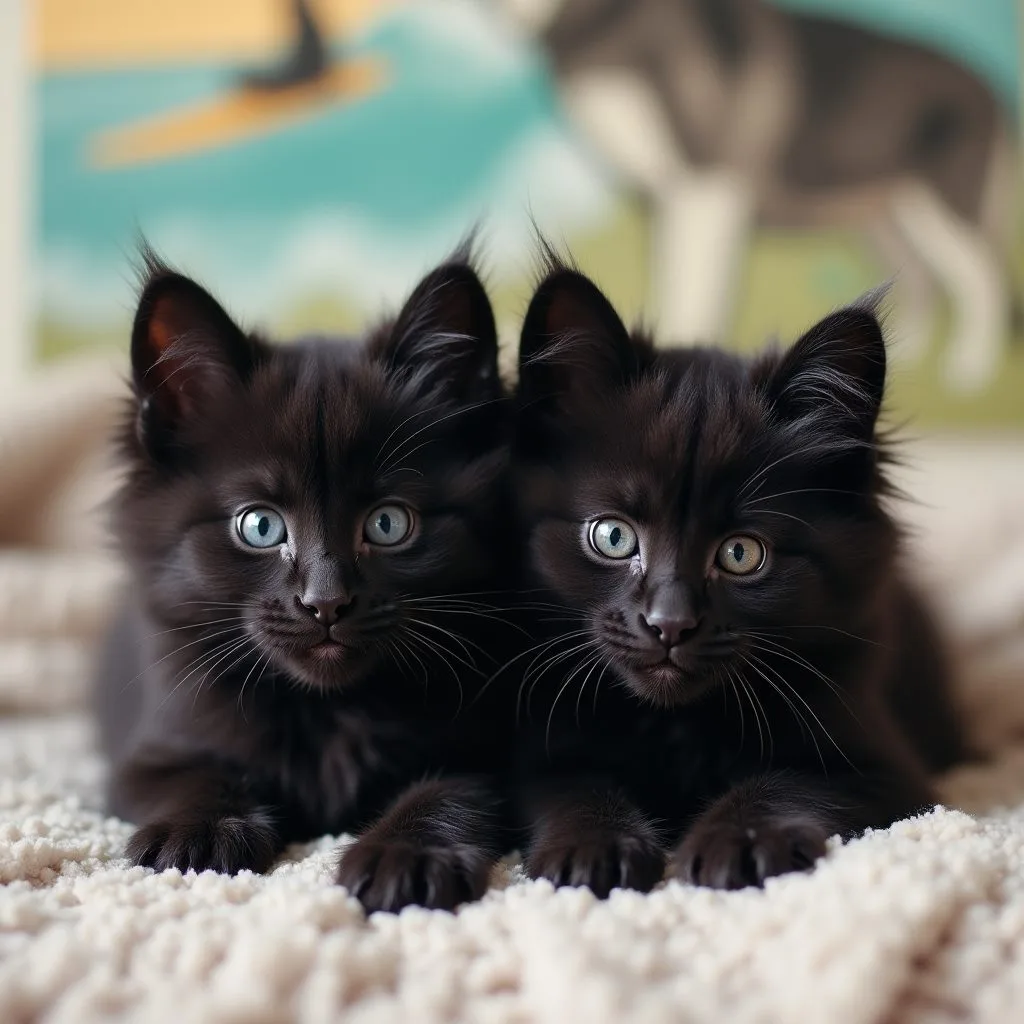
671	617
327	610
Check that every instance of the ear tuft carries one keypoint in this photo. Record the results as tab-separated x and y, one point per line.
573	341
445	337
837	369
185	350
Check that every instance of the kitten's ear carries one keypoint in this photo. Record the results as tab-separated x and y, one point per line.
573	342
838	367
446	336
185	351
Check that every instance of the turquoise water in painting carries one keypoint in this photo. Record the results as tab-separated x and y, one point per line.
437	131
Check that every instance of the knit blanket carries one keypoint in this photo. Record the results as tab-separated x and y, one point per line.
923	921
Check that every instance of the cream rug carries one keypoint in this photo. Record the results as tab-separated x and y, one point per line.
921	922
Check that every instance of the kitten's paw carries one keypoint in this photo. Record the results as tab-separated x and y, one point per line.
388	874
227	844
602	861
725	854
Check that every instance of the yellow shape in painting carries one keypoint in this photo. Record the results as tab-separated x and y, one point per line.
232	117
84	35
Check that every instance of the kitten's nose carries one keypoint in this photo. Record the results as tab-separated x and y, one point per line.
671	617
326	610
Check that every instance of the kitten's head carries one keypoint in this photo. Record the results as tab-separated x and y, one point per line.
306	501
697	509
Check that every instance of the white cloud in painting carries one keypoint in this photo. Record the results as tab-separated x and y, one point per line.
544	174
480	32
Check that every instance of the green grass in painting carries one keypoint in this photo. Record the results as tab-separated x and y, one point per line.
55	339
789	281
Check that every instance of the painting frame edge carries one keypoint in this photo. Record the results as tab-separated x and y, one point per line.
17	195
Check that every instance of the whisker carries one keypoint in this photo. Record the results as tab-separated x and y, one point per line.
192	625
483	612
739	704
767	724
200	660
202	601
449	602
502	594
801	721
461	641
779	650
183	647
263	670
783	630
440	651
392	468
748	690
796	693
808	490
241	692
597	684
760	475
597	661
437	645
397	452
784	515
412	653
551	713
548	664
394	650
408	419
543	644
545	659
246	652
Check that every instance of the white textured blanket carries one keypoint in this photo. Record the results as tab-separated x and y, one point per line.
922	922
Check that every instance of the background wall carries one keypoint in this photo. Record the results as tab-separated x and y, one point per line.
728	169
15	189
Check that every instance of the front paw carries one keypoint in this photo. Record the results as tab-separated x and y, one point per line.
228	844
726	854
600	860
388	874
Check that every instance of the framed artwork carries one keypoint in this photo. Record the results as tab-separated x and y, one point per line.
729	170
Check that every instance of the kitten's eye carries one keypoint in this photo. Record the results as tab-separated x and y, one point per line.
613	538
262	528
388	525
741	556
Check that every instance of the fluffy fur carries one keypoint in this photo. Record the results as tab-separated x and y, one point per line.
730	720
255	696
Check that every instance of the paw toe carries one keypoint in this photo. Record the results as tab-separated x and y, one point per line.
390	876
227	845
732	857
612	863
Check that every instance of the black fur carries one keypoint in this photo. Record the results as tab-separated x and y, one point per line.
731	723
252	697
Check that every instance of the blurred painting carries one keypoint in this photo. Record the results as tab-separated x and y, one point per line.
727	169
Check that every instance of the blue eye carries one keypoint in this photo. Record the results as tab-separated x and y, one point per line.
262	528
613	538
388	525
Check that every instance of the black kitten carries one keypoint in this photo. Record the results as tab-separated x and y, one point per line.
305	526
739	670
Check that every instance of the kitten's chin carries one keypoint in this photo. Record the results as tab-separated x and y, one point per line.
664	684
328	665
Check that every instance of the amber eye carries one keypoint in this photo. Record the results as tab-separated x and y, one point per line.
741	555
